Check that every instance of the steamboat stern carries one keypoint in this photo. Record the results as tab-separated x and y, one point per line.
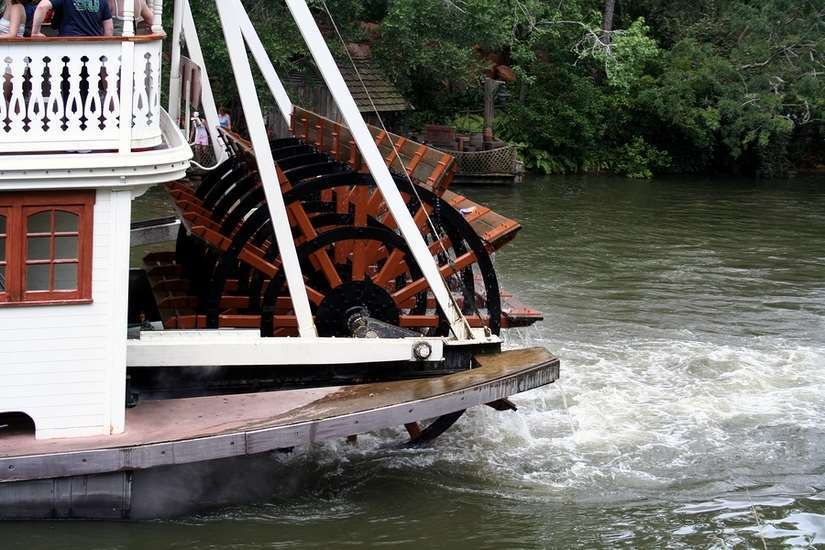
319	285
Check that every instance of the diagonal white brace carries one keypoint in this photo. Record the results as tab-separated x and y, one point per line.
193	46
228	11
265	65
174	67
375	161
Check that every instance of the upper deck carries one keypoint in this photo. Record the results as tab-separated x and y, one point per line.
87	107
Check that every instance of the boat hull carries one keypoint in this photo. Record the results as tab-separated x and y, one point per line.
114	477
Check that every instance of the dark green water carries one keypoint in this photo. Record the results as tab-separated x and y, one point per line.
690	318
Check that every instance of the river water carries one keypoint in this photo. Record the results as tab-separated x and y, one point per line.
689	315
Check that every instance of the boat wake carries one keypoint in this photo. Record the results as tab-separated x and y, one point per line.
632	417
721	429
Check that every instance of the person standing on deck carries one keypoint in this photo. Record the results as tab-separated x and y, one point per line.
75	17
200	138
224	120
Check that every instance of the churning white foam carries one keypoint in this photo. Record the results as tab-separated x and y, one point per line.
630	418
644	414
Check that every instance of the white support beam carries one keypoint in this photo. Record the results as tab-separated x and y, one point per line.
265	65
212	348
187	108
228	11
375	161
193	47
174	65
127	53
120	220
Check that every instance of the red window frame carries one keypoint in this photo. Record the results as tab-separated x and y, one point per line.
18	207
4	272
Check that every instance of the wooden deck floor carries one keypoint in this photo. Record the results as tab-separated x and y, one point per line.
205	428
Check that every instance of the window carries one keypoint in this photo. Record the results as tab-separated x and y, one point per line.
46	247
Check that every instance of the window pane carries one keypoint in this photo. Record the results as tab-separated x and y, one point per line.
2	249
65	248
40	223
65	276
2	225
65	221
2	278
38	248
37	277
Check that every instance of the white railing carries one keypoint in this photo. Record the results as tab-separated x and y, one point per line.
67	94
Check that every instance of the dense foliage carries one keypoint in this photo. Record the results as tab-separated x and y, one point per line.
662	85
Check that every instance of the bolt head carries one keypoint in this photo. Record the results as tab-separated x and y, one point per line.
422	351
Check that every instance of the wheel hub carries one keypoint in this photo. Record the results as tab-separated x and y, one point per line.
363	297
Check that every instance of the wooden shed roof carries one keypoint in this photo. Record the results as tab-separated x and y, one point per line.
385	96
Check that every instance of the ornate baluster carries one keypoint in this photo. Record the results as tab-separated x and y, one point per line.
128	19
3	107
108	105
92	108
109	96
17	102
140	96
157	23
53	116
154	98
25	90
74	103
36	108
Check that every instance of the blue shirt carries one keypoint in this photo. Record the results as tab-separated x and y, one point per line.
81	17
30	8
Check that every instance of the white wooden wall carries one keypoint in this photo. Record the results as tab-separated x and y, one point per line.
65	366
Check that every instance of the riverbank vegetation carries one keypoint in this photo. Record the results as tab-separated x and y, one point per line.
599	86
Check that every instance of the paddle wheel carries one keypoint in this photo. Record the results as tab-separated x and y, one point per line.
292	251
339	231
358	271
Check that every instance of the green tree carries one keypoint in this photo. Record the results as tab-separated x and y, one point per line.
603	85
